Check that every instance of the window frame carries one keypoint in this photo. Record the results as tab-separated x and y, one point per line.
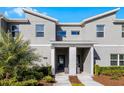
100	31
77	32
122	33
41	32
118	60
61	35
111	60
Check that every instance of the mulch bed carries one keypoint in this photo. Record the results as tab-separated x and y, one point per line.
107	81
74	80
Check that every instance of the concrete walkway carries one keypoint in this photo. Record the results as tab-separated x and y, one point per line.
87	80
62	80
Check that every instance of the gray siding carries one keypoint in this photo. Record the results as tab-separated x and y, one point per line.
29	32
88	32
103	54
45	54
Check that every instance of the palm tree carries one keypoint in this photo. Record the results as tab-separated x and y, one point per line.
14	52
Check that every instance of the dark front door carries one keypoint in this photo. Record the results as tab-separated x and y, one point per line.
61	63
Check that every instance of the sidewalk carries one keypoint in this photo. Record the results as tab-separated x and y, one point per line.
62	80
87	80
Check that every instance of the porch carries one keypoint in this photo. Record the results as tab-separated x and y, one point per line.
72	57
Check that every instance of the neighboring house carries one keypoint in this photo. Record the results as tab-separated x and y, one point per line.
72	47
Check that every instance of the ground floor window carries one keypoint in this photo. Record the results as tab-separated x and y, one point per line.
117	59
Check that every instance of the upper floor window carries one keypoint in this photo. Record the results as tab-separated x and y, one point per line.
123	30
75	32
100	30
39	30
15	30
61	33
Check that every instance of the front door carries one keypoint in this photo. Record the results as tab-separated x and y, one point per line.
61	63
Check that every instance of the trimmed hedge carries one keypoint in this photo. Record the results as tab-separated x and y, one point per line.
110	70
12	82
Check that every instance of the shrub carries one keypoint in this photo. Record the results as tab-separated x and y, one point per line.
35	72
12	82
49	79
27	74
9	82
46	70
29	83
115	77
97	70
110	71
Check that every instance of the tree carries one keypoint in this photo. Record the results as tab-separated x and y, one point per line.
14	53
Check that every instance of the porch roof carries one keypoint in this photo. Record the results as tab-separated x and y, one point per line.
76	43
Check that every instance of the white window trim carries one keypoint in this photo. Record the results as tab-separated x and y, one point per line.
118	60
43	27
101	30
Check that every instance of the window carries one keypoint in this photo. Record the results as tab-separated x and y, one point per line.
39	30
114	59
15	30
121	59
75	32
100	30
122	30
61	33
117	59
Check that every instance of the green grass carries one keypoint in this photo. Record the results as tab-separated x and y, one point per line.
78	84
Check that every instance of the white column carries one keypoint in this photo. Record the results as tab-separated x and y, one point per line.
92	60
53	60
72	60
118	61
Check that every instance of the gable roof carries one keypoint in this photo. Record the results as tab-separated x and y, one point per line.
39	15
63	24
92	18
101	15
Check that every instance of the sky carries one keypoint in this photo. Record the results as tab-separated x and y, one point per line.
63	14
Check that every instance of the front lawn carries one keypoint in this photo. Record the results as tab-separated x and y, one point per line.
75	81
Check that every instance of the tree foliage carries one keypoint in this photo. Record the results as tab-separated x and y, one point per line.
14	52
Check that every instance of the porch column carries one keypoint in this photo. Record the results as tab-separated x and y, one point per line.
72	60
92	60
53	60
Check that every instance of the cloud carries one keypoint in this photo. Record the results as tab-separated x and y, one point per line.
6	14
14	11
18	11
